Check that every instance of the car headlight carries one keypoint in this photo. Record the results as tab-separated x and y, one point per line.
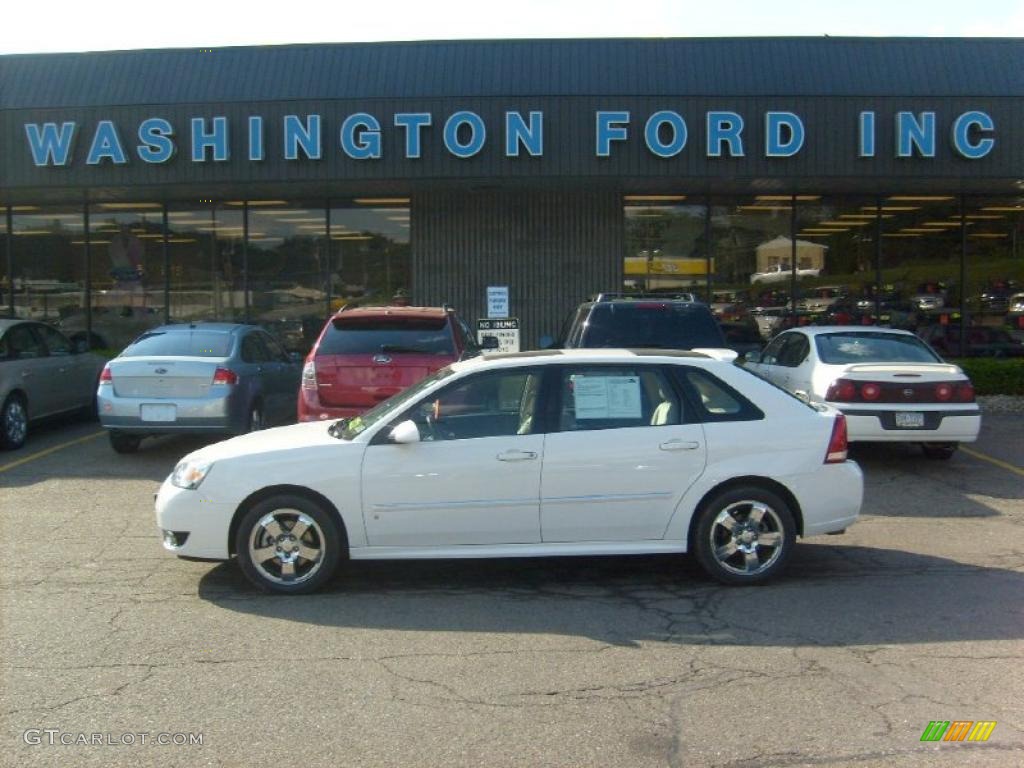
190	473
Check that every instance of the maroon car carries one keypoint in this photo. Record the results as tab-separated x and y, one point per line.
367	354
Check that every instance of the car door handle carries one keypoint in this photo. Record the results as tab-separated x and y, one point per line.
679	445
517	456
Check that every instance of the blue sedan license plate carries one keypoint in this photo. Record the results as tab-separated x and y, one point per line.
154	412
909	419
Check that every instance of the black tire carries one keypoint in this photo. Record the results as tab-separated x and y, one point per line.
256	419
714	538
939	451
14	422
320	533
122	442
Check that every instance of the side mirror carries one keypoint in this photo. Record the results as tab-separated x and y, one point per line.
405	432
80	346
490	342
547	342
752	357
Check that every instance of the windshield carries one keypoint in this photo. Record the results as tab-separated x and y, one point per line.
872	347
355	426
180	343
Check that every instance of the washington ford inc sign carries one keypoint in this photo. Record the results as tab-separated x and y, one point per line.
665	134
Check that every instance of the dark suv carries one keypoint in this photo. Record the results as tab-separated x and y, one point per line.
615	320
367	354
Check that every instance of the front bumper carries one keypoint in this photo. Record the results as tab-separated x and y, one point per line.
200	525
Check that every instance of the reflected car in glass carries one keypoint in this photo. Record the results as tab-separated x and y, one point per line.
42	374
197	378
890	385
980	341
575	452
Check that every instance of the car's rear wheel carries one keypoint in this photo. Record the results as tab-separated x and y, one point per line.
14	422
744	535
122	442
288	544
939	451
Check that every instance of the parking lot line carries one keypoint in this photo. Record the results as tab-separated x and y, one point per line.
48	451
992	460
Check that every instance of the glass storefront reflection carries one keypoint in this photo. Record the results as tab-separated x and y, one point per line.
205	244
126	247
287	256
49	266
666	249
370	256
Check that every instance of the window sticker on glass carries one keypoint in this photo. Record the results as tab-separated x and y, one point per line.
607	397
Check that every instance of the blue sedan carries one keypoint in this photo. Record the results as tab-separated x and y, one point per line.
201	377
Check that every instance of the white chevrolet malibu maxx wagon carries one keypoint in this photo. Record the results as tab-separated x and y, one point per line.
582	452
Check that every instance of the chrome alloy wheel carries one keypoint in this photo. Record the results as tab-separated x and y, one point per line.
15	422
286	546
747	538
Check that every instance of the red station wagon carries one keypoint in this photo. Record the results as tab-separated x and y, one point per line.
367	354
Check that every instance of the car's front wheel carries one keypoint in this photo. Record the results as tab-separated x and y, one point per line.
744	535
940	451
289	544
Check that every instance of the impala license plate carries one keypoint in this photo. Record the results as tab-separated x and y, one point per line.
158	412
909	420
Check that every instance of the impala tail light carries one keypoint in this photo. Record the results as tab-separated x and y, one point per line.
106	377
309	375
965	392
841	391
225	376
837	444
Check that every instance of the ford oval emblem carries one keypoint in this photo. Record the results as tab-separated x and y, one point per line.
161	371
381	359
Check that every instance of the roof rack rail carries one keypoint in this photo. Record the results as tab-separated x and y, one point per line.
682	296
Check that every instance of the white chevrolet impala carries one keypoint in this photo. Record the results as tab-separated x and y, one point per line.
582	452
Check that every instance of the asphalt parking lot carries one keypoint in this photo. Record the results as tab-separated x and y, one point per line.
915	615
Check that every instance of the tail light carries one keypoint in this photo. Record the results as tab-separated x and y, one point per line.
309	375
225	376
837	444
870	391
841	391
106	377
965	392
943	392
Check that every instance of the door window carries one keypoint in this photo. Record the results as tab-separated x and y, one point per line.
770	356
253	350
716	400
486	405
794	351
23	344
56	342
610	397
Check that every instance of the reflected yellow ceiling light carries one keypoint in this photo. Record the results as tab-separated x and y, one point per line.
920	231
660	215
23	208
398	218
181	240
151	237
786	198
351	237
1004	208
654	198
764	208
984	217
307	220
854	223
382	200
254	203
899	234
943	224
130	206
91	242
891	208
988	235
32	232
920	198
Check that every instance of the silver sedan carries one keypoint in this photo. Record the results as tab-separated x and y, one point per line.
41	374
202	377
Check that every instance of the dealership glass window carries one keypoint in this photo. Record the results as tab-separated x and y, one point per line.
287	257
995	263
126	247
205	244
49	266
5	285
666	250
836	247
370	261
